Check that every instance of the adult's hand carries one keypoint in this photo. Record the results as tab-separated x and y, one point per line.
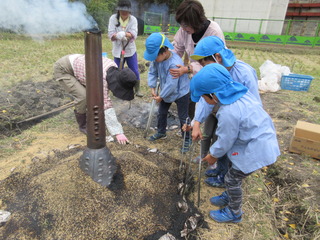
196	131
122	139
177	72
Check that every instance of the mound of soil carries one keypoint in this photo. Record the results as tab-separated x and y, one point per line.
53	199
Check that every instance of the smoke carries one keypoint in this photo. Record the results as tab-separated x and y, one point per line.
44	17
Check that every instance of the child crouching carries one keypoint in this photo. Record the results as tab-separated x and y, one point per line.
245	133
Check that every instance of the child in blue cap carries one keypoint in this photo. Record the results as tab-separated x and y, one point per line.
245	132
209	50
172	89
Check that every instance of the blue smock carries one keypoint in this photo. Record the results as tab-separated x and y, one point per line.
246	134
171	88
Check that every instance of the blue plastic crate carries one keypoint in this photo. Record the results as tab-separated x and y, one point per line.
296	82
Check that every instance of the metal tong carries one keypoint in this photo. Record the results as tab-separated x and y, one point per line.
183	142
153	103
199	173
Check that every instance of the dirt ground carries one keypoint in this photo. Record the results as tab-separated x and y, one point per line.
49	197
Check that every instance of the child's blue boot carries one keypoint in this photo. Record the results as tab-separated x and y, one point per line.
212	172
215	181
221	200
225	215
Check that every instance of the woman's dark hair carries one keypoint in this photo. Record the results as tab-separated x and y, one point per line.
118	17
122	4
191	13
162	50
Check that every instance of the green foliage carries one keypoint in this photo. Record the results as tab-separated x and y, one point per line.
100	10
173	4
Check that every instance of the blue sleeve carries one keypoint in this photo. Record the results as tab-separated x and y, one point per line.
227	131
203	109
245	74
170	84
152	75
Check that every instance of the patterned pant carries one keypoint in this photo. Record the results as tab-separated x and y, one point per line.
233	182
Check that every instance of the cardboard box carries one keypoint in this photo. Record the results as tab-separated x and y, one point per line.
306	139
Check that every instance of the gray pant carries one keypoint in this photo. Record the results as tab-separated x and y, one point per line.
209	137
63	73
233	182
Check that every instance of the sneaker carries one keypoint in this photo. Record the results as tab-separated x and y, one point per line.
157	136
212	172
225	215
221	200
186	146
215	181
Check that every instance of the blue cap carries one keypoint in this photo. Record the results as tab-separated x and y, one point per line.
215	78
211	45
153	44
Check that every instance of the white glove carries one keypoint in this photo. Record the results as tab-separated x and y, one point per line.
112	123
121	35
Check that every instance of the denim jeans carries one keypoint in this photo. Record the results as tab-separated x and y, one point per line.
182	105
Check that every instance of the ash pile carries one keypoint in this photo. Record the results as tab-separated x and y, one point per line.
53	199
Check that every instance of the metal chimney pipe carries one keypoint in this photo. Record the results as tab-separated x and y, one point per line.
96	132
97	160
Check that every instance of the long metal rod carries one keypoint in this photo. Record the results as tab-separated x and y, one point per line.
183	143
153	103
199	174
188	176
68	105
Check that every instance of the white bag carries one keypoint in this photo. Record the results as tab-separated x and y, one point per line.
270	75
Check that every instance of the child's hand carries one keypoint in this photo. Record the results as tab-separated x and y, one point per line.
209	159
186	128
153	92
196	131
157	98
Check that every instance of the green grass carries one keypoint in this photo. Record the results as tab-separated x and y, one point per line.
22	58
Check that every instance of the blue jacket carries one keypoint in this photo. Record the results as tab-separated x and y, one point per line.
171	88
246	134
